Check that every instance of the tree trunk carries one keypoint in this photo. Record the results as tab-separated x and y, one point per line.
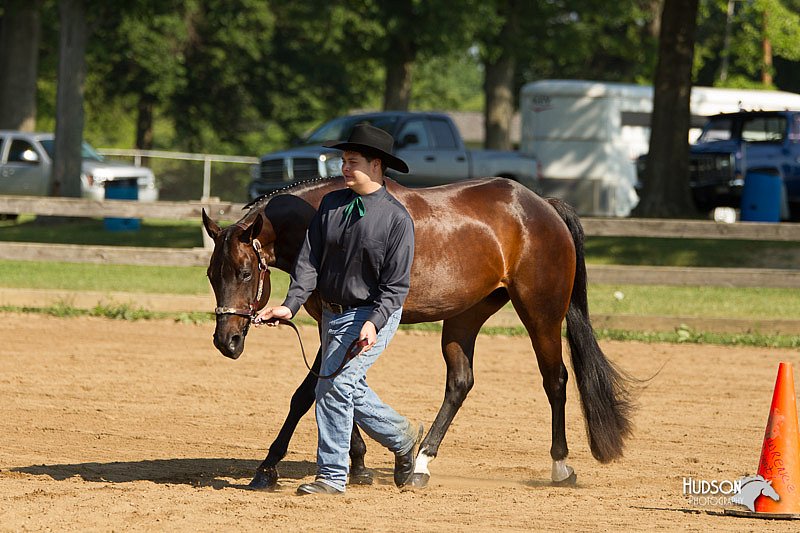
766	46
73	36
19	59
666	182
399	65
499	109
144	123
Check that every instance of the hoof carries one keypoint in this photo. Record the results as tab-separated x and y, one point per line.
265	480
570	481
361	476
418	481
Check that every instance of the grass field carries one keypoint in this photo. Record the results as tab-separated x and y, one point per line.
716	302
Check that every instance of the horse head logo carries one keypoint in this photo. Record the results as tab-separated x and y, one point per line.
751	488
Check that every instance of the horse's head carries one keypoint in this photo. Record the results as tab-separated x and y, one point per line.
239	275
768	490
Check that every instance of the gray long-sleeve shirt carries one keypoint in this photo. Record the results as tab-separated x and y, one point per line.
353	260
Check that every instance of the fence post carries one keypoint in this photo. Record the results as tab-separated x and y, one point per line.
206	177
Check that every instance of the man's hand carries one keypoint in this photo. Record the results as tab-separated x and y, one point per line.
265	315
368	333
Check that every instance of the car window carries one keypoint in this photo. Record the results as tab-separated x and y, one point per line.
717	130
794	135
21	151
443	134
87	152
764	129
413	135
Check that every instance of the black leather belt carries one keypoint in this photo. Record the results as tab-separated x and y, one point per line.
338	308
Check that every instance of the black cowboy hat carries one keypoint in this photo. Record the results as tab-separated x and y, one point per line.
368	139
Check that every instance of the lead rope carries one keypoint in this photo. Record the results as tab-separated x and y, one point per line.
351	351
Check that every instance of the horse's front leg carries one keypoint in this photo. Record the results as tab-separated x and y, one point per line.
266	477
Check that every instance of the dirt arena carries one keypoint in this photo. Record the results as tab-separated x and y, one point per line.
112	425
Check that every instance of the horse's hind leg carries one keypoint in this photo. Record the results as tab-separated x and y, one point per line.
458	347
544	329
266	476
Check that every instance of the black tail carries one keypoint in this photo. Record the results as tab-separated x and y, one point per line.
603	388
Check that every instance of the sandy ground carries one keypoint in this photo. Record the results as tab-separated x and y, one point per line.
111	425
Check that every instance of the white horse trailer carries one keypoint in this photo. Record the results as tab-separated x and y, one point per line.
587	135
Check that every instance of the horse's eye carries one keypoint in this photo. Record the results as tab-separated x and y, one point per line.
246	275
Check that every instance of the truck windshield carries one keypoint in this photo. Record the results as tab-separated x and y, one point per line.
87	152
339	128
717	129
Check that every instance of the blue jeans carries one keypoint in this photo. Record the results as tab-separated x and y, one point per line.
347	397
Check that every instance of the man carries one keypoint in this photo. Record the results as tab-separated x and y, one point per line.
357	254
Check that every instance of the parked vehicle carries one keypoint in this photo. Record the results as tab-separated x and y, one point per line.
26	162
587	135
732	144
429	143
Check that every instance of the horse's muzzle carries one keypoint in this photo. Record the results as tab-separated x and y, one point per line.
230	346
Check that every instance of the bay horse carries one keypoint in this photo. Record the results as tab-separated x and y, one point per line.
479	243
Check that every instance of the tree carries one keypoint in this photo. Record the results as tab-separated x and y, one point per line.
20	30
414	27
73	36
666	181
137	57
525	41
751	44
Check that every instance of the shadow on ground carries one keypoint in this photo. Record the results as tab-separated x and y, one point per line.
216	473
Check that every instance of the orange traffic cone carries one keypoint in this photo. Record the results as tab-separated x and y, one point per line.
780	455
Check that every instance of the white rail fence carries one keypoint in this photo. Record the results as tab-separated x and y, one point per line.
207	159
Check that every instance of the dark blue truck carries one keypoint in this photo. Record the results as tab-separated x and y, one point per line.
733	144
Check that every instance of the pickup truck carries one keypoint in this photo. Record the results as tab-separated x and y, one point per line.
429	143
26	162
733	143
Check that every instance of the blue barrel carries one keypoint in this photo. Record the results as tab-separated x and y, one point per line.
122	190
761	196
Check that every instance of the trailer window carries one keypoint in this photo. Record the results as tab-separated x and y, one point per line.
764	129
794	135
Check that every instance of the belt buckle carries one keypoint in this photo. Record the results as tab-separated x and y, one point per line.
335	308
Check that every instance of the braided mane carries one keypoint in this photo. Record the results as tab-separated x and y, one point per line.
259	203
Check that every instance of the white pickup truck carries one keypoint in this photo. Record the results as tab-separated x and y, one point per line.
26	162
429	143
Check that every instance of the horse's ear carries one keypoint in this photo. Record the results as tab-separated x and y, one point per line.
212	228
253	230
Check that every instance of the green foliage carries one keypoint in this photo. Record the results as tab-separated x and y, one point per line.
752	22
247	76
449	83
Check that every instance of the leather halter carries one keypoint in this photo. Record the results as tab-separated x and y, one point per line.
250	311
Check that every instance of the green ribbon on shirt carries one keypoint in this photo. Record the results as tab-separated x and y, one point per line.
356	203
